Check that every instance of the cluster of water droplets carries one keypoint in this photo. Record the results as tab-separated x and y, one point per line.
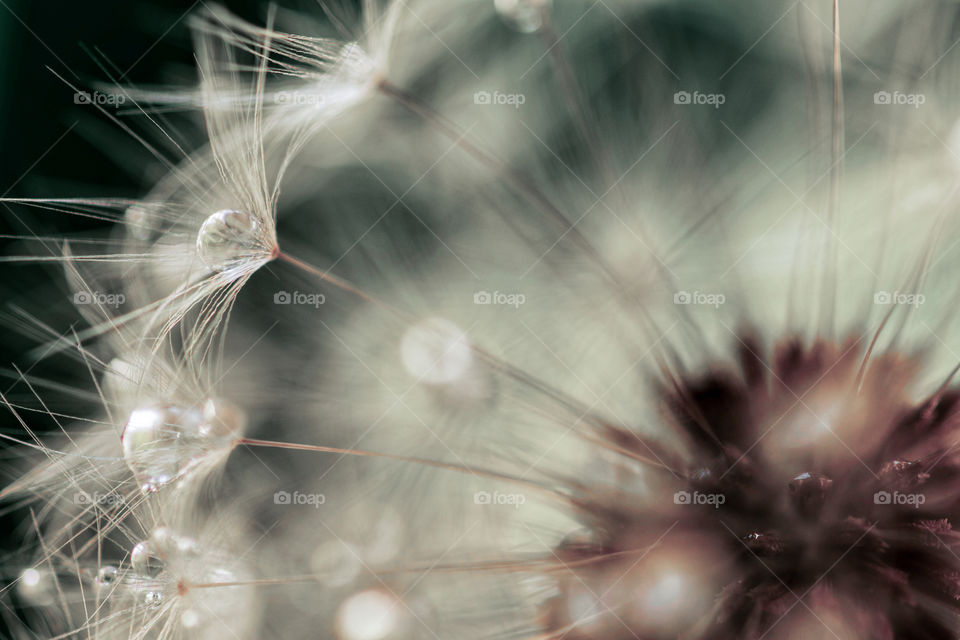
163	442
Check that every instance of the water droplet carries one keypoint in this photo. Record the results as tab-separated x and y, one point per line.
145	560
153	599
161	441
230	238
151	442
525	16
368	615
436	351
107	575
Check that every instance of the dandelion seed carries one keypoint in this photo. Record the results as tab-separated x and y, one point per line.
228	239
163	442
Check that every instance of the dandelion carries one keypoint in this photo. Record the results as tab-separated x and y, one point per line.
629	353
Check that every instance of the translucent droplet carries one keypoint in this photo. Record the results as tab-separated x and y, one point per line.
153	599
436	351
525	16
107	575
368	615
161	441
145	560
228	239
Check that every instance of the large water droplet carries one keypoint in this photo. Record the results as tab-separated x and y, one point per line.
162	441
146	560
151	443
523	15
228	239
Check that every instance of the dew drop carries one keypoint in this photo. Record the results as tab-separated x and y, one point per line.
107	575
436	351
229	238
368	615
145	560
161	441
153	599
525	16
152	443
